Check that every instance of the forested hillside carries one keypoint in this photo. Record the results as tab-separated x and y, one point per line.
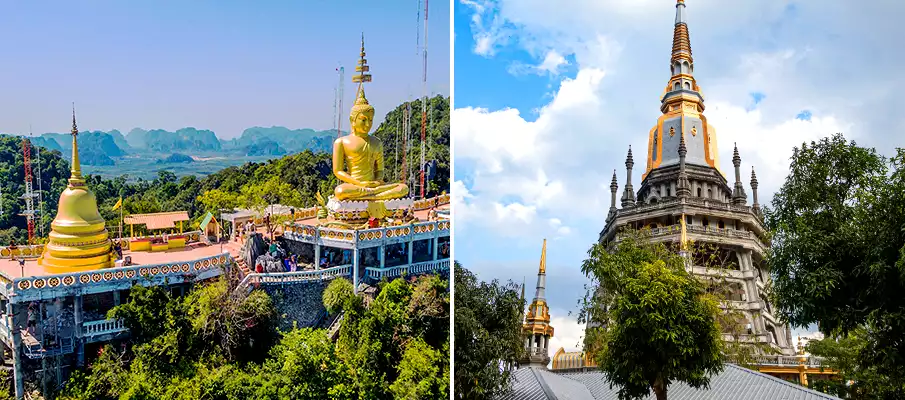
437	142
293	179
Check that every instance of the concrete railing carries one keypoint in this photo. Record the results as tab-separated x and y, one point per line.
75	279
103	327
6	334
407	269
254	279
788	361
27	251
301	232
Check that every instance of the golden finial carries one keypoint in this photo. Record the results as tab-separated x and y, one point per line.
543	258
75	128
362	67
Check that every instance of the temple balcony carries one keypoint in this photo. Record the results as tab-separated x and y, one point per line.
103	330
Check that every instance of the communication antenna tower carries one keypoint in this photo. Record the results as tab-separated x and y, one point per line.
406	128
29	195
40	191
338	101
423	97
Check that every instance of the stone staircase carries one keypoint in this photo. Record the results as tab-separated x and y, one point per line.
235	249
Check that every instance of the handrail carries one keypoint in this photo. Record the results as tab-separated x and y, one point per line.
295	277
407	269
299	231
104	326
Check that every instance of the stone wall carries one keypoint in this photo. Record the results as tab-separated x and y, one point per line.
299	303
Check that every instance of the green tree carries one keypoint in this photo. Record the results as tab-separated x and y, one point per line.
660	323
215	199
841	355
488	335
838	250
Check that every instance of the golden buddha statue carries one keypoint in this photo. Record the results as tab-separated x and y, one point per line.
362	155
78	238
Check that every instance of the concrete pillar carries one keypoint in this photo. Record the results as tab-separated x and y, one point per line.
317	256
410	249
79	346
14	326
383	256
527	343
436	247
355	259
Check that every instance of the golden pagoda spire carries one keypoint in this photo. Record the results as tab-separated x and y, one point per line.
362	68
543	259
682	106
75	178
681	45
78	239
536	329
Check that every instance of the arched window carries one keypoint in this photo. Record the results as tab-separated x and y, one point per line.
706	222
721	224
676	86
710	193
687	85
699	192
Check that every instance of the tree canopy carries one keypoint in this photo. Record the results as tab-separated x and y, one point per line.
488	335
219	343
658	323
838	249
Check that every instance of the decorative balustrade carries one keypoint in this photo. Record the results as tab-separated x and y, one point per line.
407	269
709	204
76	279
28	251
295	277
5	333
788	361
103	327
312	233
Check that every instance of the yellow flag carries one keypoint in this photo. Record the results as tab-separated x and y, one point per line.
118	204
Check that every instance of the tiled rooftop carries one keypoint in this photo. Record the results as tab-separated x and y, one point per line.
736	383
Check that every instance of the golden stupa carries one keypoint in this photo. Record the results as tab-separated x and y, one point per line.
78	238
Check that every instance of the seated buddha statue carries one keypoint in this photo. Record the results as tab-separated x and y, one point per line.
358	160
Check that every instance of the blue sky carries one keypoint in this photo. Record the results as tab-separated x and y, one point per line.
220	65
550	95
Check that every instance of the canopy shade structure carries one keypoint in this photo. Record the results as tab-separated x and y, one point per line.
163	220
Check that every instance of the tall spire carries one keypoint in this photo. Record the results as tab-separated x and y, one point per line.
521	303
75	178
738	193
542	274
755	206
362	68
683	188
681	45
614	185
628	197
536	329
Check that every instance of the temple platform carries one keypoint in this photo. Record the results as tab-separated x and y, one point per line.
11	268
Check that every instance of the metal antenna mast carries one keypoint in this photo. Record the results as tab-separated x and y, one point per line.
338	101
423	98
29	195
40	191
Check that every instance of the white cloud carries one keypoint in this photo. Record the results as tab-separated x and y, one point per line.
568	334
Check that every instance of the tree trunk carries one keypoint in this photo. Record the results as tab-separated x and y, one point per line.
659	389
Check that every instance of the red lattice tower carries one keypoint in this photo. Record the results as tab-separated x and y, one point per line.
29	195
